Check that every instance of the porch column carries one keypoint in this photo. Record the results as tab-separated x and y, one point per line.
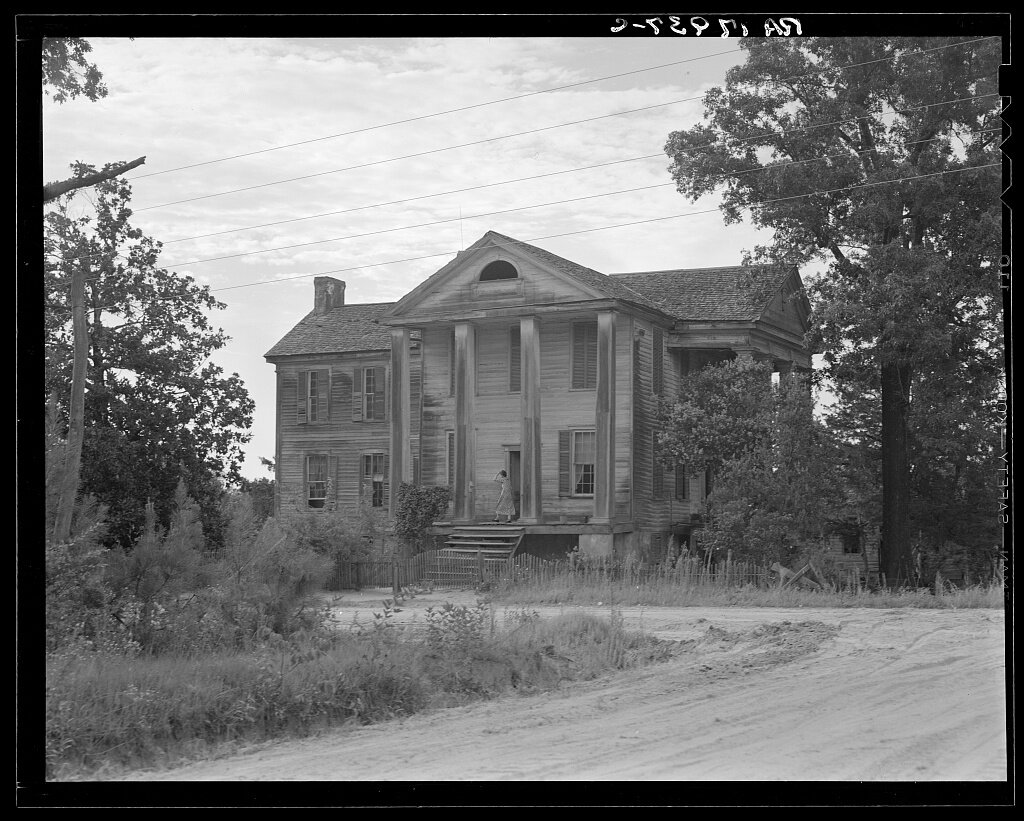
400	452
604	468
530	465
465	393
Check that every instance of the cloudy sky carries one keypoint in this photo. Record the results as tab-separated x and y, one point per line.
313	130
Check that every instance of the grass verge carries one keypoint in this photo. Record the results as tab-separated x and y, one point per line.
108	713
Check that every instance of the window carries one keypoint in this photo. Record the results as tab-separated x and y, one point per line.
316	480
368	394
515	374
584	355
851	541
314	389
499	269
373	477
584	457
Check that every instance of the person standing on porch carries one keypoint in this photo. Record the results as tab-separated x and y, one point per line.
506	507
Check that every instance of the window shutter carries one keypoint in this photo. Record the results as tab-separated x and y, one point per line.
323	381
301	393
380	393
515	350
564	463
584	355
451	459
682	481
357	395
658	355
332	474
305	481
387	481
657	472
451	363
416	470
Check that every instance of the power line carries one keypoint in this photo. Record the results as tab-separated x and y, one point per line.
513	210
535	131
547	91
747	206
412	156
439	113
844	154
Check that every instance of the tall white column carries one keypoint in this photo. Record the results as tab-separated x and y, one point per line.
530	476
604	489
465	394
400	451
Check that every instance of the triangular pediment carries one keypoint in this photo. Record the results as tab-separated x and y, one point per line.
540	278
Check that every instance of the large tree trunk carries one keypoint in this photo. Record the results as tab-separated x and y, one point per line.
895	555
76	412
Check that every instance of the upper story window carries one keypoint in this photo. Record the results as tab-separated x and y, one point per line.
314	391
499	269
368	394
515	371
584	355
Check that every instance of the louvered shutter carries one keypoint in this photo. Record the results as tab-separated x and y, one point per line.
332	474
451	459
380	392
387	480
452	363
515	380
357	395
682	481
584	355
323	387
301	392
659	362
564	463
657	472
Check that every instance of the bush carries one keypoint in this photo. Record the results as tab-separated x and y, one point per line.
417	508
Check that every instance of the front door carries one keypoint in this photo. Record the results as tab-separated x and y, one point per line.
513	475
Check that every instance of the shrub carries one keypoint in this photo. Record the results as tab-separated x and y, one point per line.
417	508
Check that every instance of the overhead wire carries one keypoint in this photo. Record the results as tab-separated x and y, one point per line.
746	206
546	91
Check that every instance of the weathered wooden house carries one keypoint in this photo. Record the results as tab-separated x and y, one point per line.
510	357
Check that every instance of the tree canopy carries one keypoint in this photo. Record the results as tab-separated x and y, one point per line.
880	157
157	409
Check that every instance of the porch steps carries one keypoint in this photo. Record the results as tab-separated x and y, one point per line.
473	552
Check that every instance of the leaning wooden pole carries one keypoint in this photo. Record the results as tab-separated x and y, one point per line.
76	412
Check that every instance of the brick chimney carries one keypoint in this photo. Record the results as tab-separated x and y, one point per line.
329	293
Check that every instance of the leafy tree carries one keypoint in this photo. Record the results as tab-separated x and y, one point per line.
778	482
818	138
720	413
157	410
67	74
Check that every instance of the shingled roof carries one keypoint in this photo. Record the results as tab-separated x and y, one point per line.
733	292
339	330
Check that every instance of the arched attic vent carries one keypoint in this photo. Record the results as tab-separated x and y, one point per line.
499	269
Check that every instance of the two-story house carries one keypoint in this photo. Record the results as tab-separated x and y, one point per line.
511	357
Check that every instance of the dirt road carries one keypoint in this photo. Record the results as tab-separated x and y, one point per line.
757	694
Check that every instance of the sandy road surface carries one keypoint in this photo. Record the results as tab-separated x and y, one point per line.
756	694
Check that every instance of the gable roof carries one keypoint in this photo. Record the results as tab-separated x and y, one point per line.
343	329
612	287
732	292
